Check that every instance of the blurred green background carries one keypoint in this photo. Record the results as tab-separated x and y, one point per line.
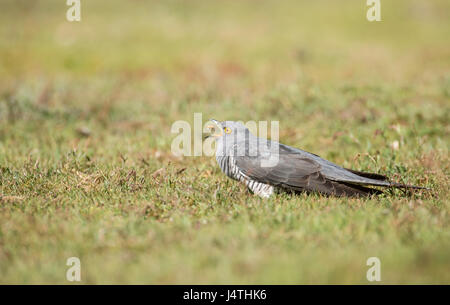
85	163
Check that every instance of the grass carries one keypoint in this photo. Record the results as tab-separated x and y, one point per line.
85	162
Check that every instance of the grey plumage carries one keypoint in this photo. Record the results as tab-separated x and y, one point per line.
266	167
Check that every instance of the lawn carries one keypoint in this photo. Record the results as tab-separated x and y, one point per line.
86	168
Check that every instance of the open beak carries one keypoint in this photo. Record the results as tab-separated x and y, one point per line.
216	126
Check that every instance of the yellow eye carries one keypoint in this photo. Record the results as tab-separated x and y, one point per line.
227	130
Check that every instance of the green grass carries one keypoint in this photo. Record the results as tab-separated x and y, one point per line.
85	116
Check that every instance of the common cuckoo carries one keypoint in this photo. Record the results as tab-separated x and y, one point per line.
267	167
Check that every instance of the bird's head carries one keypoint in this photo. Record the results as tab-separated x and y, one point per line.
228	133
227	129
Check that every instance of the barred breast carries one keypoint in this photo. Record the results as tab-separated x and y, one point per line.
228	166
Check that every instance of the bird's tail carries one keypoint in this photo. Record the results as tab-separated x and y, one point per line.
386	179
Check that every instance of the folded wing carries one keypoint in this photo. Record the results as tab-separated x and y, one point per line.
295	172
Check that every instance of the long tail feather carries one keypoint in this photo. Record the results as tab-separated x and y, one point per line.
385	178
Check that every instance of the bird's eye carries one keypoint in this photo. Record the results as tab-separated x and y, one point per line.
227	130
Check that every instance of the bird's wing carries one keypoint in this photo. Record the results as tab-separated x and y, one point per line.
293	171
297	173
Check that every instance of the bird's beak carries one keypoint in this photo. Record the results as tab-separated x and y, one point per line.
215	126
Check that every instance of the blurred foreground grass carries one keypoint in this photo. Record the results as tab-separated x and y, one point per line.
85	116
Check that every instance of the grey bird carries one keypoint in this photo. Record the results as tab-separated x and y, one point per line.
267	167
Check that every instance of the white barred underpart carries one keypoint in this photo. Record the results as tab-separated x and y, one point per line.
228	166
